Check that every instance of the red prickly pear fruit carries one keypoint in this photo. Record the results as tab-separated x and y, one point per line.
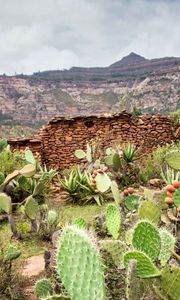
95	172
130	190
126	192
105	169
92	184
93	175
100	171
94	181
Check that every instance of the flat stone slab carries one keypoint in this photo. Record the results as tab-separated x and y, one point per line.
34	266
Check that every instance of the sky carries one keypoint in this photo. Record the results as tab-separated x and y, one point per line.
38	35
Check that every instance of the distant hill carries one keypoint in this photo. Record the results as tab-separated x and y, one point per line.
153	85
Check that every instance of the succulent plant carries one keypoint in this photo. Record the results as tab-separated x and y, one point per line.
30	157
43	288
150	211
146	238
81	223
31	208
3	144
28	170
133	284
79	265
12	253
173	160
145	267
170	280
113	220
116	162
2	178
116	192
103	182
131	202
176	197
52	217
116	249
5	203
167	246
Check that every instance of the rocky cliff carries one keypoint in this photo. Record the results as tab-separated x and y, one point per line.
152	85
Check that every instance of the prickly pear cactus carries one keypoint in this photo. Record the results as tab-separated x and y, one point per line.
12	253
2	178
81	223
43	288
28	170
176	197
79	265
116	162
52	217
145	267
167	245
31	208
173	160
113	220
133	285
103	182
30	157
150	211
146	238
170	279
116	192
80	154
5	203
116	249
132	202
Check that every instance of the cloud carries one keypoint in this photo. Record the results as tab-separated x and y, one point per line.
55	34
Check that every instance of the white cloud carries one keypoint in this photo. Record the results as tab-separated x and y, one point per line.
51	34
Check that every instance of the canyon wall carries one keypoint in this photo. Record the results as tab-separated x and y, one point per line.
58	140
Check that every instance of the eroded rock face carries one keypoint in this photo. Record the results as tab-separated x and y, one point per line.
152	85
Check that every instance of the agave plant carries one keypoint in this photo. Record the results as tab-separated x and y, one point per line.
130	153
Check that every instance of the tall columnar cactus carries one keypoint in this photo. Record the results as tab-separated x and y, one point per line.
146	238
113	220
43	288
167	246
145	267
133	284
173	160
170	279
150	211
79	265
116	249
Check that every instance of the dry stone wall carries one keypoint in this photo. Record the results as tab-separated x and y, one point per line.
58	140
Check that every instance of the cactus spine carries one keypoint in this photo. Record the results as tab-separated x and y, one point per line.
79	265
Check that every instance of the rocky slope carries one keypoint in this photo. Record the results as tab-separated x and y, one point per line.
152	85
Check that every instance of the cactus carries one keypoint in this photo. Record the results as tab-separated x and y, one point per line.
31	208
3	144
146	238
113	220
133	285
173	160
5	203
176	197
170	280
116	249
30	157
150	211
43	288
116	193
167	245
28	170
81	223
12	253
116	162
145	267
79	265
58	297
132	202
52	217
103	182
88	154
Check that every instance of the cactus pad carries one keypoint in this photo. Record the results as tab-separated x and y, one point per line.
43	288
12	253
176	197
103	182
146	238
113	220
145	267
81	223
58	297
115	192
30	157
170	279
150	211
167	245
116	249
132	202
116	162
80	154
173	160
5	203
79	265
28	170
31	208
133	285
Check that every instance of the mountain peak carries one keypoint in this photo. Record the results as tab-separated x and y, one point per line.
131	59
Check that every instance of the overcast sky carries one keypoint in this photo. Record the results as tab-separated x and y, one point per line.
55	34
